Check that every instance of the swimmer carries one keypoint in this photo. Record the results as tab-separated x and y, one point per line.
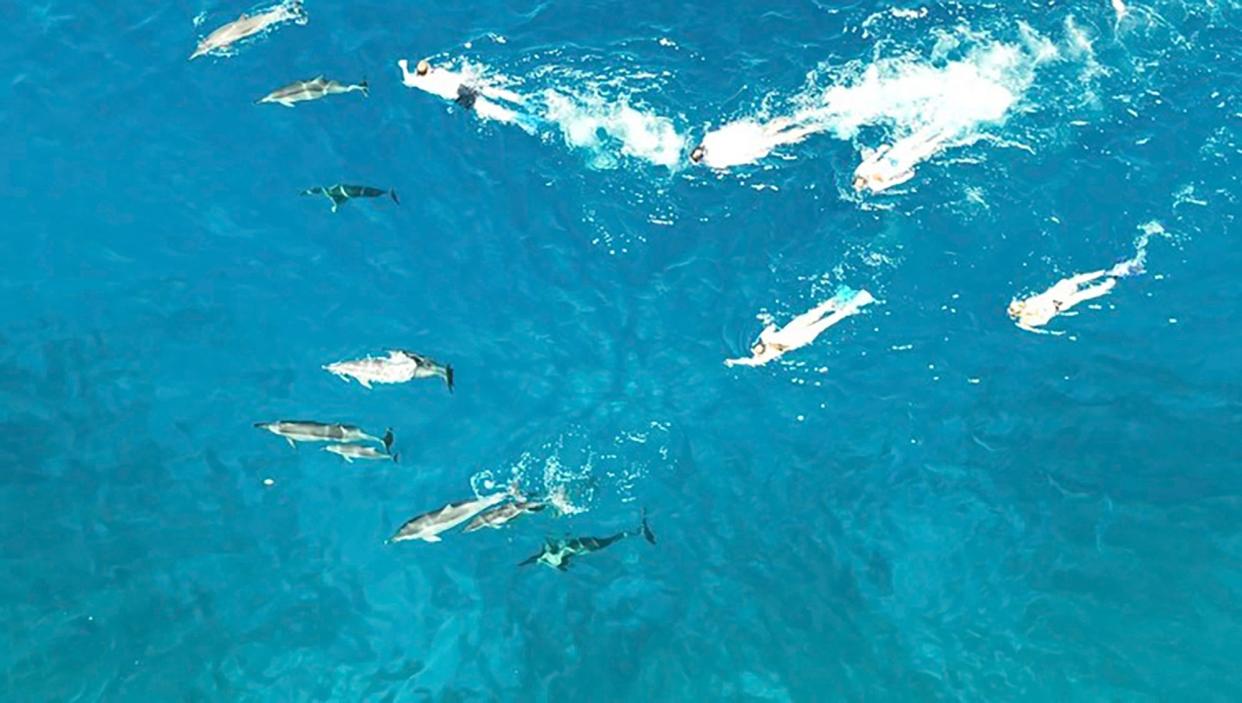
484	101
892	165
747	141
802	330
1038	310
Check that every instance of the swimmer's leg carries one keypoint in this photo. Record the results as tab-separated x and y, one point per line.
1081	278
1096	291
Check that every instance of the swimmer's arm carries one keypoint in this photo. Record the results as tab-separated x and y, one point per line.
406	76
745	361
1030	328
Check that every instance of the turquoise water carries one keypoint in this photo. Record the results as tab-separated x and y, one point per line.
925	504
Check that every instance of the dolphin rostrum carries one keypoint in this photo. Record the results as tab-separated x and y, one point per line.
398	367
428	526
250	25
340	192
557	553
309	431
314	89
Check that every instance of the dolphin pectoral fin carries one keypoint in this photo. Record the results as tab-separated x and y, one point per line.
431	538
291	442
362	381
349	460
646	529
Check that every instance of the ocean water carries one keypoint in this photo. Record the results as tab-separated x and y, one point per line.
925	504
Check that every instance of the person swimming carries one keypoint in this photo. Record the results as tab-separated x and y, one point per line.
747	141
1034	312
488	102
892	165
802	330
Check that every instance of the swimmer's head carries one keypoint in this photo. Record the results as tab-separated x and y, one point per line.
423	67
1016	307
758	349
697	155
860	183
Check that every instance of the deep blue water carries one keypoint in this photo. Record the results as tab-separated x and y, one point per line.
926	504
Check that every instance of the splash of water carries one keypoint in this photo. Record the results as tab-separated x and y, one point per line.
573	471
608	127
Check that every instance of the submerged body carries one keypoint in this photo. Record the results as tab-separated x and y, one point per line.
350	452
802	330
747	141
503	515
428	526
557	553
398	367
250	25
313	89
488	102
310	431
892	165
340	193
1032	313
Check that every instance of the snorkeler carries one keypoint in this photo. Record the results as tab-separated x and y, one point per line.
1038	310
894	164
802	330
484	100
747	141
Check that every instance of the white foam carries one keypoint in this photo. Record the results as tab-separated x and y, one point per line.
916	98
614	127
911	96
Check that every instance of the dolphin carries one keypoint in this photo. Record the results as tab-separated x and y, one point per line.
309	431
557	553
314	89
250	25
499	517
429	525
426	367
339	193
398	367
349	452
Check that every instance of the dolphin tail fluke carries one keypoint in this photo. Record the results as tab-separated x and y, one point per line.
396	458
387	440
393	194
645	529
448	377
365	88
